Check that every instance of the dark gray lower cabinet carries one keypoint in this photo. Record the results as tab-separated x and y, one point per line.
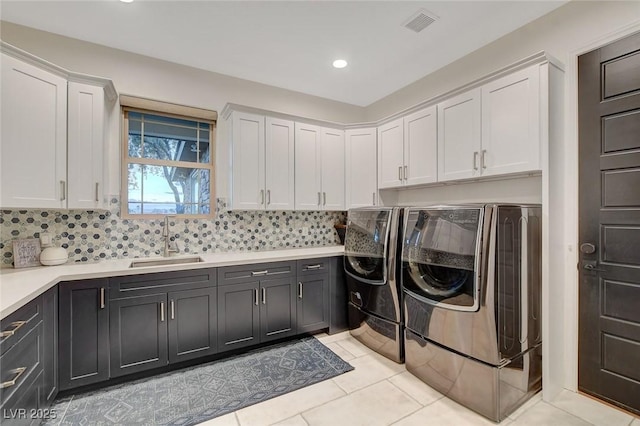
277	308
193	323
83	350
50	343
138	334
238	315
313	302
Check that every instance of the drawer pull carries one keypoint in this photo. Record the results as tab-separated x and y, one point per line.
16	325
102	298
312	267
259	273
256	295
161	311
173	310
264	296
18	373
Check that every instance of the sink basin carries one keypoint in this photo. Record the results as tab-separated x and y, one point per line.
165	261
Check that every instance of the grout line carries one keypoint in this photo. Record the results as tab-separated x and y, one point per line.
289	418
65	410
346	350
561	409
235	415
409	395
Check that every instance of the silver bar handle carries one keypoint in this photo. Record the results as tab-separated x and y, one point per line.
16	325
319	198
63	188
18	373
97	192
300	290
259	273
173	309
102	298
255	293
405	173
475	160
483	162
374	199
268	196
261	196
324	198
312	267
161	311
264	296
399	172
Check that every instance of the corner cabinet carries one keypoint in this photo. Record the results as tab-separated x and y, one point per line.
408	150
319	168
262	162
361	168
67	142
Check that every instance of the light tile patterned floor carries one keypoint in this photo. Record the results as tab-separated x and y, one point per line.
381	392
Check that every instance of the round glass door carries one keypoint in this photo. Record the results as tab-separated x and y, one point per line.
365	244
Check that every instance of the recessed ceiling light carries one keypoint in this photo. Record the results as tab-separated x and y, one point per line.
126	1
339	63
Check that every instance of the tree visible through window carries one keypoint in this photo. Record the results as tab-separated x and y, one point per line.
168	166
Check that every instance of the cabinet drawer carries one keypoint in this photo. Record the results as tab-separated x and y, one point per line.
161	282
23	408
19	323
313	266
21	363
236	274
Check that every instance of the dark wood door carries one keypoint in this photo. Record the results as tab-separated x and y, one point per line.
138	331
609	229
238	315
277	308
313	303
192	323
83	345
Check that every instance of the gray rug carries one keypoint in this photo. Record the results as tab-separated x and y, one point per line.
193	395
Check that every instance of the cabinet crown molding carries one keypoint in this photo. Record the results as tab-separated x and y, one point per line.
539	58
105	83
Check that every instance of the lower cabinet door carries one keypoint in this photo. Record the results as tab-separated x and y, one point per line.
138	334
277	308
238	315
83	344
313	303
192	323
50	335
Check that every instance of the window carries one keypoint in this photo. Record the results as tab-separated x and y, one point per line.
168	166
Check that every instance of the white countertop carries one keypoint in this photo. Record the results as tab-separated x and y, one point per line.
19	286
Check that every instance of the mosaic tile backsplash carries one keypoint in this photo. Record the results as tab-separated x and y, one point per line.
95	235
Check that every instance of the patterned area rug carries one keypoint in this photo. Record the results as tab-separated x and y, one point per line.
193	395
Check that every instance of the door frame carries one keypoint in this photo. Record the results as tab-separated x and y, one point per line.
569	346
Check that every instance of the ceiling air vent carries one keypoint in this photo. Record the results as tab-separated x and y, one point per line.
420	20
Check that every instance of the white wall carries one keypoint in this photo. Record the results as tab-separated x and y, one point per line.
143	76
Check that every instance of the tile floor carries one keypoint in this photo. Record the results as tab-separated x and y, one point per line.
381	392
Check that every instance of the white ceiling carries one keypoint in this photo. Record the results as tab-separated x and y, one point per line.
289	44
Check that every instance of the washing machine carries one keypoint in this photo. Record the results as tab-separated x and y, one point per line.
371	266
471	278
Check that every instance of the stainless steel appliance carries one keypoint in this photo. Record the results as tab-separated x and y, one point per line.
370	262
471	277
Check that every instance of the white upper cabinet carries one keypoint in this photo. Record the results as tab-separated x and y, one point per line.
361	168
459	137
407	150
510	124
262	163
85	146
420	147
332	159
319	168
391	154
33	152
248	161
280	164
53	130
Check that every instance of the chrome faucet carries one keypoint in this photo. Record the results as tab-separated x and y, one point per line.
167	239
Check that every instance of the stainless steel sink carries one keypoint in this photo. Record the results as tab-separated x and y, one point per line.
165	261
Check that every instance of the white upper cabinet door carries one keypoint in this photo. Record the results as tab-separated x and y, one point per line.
308	187
33	152
459	137
511	124
280	164
248	176
332	160
391	154
361	168
421	147
85	145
